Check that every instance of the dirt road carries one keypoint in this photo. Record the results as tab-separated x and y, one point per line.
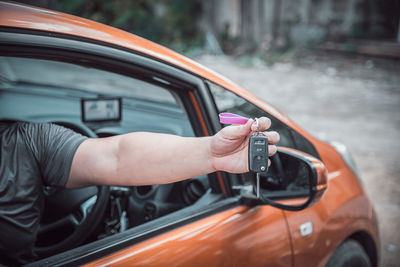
351	99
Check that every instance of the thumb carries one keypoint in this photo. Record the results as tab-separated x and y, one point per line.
234	131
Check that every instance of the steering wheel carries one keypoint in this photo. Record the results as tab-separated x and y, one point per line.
75	212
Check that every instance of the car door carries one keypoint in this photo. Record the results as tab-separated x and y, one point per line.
239	236
217	229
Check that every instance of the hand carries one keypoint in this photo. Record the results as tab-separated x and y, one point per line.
229	147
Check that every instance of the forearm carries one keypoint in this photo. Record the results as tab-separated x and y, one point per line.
150	158
140	158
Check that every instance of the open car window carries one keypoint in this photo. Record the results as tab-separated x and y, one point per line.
40	90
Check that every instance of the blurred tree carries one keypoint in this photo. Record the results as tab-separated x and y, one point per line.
173	23
261	24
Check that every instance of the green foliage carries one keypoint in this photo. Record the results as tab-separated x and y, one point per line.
173	23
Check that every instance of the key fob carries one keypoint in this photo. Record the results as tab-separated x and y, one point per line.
258	153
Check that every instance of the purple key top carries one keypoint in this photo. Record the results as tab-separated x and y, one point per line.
230	118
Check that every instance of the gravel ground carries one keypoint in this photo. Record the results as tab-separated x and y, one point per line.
351	99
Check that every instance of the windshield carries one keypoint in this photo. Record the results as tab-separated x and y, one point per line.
41	90
76	78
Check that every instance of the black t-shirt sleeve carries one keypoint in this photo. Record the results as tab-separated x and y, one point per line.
54	148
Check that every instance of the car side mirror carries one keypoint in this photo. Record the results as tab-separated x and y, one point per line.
294	181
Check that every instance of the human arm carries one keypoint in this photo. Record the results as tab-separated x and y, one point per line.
144	158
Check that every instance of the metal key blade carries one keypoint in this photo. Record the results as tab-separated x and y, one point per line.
258	185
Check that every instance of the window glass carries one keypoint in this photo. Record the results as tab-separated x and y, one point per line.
227	101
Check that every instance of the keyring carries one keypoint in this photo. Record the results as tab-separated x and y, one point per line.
258	126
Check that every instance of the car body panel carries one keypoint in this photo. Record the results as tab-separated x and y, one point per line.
236	237
344	210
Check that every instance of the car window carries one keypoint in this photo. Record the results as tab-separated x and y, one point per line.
42	90
227	101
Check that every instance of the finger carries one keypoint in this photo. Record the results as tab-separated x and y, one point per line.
273	137
269	162
272	150
263	124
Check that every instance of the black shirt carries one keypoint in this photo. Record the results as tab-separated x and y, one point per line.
31	155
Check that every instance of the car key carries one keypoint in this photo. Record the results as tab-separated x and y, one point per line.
258	156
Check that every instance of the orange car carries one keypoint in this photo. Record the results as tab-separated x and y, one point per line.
101	81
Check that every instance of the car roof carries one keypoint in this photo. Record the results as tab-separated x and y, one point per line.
22	16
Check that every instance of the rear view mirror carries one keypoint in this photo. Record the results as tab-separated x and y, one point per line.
294	181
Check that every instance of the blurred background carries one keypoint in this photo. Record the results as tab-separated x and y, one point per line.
333	66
